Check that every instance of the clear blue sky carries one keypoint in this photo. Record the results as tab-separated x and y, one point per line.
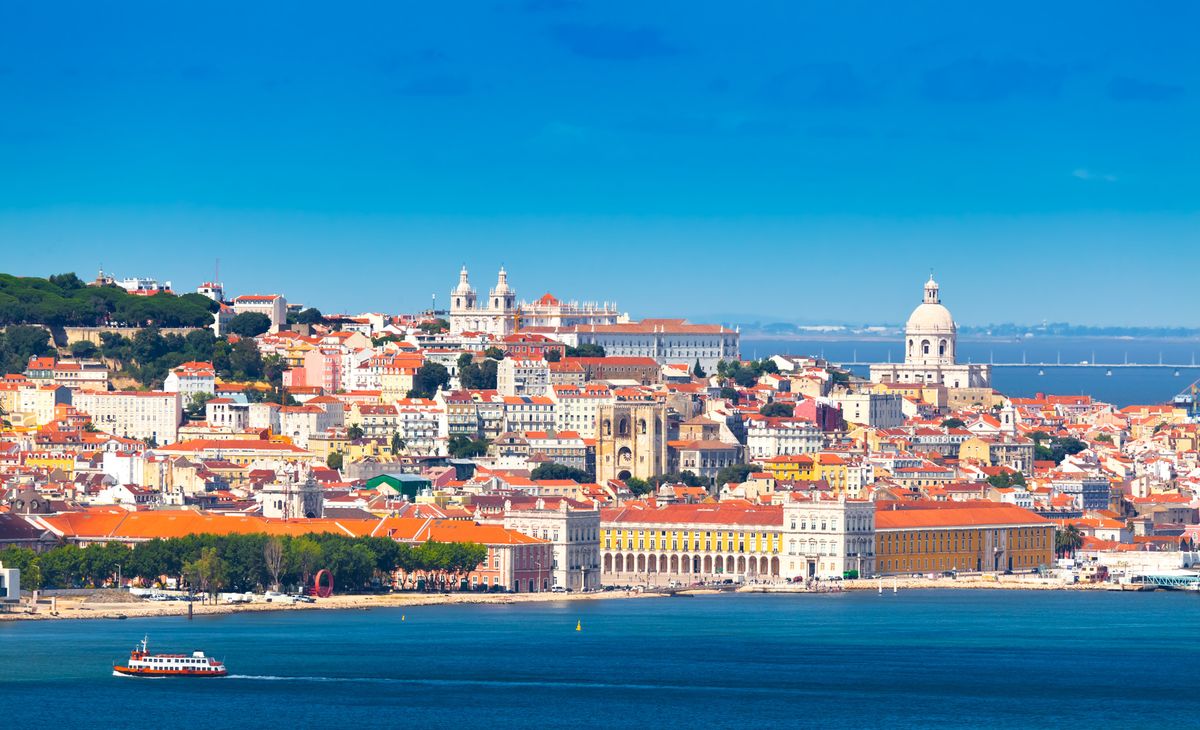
794	161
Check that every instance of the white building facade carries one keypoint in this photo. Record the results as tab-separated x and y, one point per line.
826	537
574	533
146	415
191	378
517	375
576	406
665	340
770	437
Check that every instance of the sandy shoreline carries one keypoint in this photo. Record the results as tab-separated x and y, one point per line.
77	608
74	607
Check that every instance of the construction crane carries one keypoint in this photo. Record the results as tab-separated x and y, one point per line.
1189	399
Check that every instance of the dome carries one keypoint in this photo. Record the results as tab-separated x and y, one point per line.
464	286
932	318
502	283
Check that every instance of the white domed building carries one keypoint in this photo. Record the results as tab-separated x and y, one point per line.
930	342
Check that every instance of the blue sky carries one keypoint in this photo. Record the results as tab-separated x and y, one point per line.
790	161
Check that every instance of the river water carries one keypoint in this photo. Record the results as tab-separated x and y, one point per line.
915	659
1124	386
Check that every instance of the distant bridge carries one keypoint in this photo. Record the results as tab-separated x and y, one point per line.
1080	364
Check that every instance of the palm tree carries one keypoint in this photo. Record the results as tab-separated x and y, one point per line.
1067	540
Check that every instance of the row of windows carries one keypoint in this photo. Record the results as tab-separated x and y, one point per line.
743	544
955	562
694	533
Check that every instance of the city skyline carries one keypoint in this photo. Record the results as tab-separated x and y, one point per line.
1029	158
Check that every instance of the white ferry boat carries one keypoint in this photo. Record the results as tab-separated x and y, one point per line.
144	664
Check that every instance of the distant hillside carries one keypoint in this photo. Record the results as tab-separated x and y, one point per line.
65	300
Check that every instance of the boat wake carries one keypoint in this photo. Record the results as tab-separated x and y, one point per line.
466	682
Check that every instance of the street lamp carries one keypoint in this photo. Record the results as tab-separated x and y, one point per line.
118	576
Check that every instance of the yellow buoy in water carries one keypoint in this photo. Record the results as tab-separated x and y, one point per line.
401	617
579	626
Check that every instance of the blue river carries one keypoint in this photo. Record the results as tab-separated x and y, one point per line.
1122	387
913	659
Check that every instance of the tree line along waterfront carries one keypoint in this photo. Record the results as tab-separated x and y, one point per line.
210	563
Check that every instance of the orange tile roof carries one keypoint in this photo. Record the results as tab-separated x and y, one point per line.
714	514
957	514
465	531
178	523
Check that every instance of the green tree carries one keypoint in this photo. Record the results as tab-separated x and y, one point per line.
697	371
1067	541
350	562
273	557
552	355
552	470
245	362
31	576
195	408
1007	479
494	353
18	557
778	410
18	343
586	350
745	377
62	567
397	444
461	447
304	556
84	350
250	324
430	378
67	282
734	474
1059	447
208	572
434	327
953	423
335	460
478	376
465	557
638	486
355	432
155	559
312	315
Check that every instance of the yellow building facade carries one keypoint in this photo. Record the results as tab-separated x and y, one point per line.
993	538
810	468
690	542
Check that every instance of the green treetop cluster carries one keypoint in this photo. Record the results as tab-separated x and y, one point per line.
247	562
65	300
